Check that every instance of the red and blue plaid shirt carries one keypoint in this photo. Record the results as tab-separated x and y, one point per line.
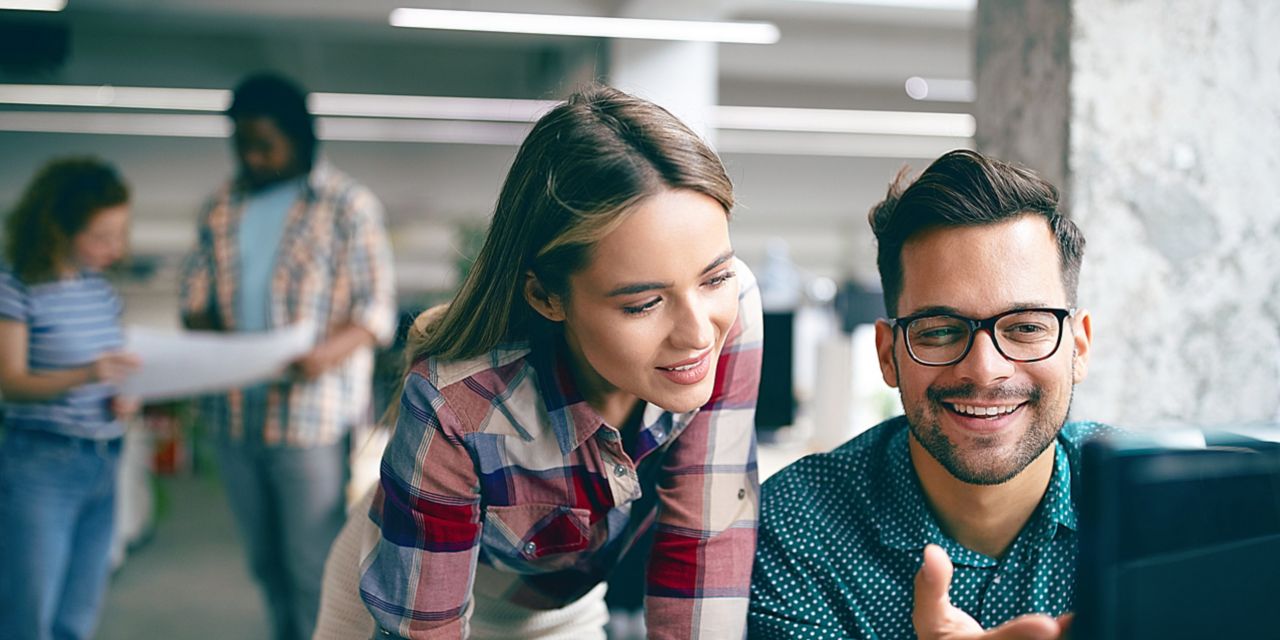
500	477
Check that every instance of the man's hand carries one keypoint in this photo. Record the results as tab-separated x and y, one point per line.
935	618
312	364
332	352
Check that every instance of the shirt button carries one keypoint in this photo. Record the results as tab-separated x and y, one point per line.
619	470
530	547
996	580
742	493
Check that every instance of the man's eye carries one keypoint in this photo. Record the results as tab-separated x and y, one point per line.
937	335
719	280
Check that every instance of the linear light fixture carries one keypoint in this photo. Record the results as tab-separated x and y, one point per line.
487	121
106	95
902	123
172	125
590	26
34	5
320	103
940	89
934	5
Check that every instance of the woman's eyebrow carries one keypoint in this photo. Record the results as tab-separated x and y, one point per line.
641	287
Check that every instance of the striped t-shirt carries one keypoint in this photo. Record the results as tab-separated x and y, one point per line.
70	323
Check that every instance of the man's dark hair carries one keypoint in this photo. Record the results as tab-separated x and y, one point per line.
276	97
962	189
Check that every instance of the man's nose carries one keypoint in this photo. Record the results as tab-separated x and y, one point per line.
984	363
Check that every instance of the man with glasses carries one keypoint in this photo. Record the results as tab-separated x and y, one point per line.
955	520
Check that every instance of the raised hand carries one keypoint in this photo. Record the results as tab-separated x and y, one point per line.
935	618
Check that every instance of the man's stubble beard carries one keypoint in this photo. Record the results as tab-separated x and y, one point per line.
981	466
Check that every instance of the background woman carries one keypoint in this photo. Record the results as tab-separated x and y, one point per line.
60	341
595	376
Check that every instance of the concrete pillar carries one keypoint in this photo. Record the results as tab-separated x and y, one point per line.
1166	142
681	76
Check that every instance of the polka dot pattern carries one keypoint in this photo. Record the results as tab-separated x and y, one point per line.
842	535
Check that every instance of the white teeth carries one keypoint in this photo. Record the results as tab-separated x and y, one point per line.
983	411
682	368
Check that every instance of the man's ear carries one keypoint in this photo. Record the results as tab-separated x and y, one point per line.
1082	340
547	305
884	349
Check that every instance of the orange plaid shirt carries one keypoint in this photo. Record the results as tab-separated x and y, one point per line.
333	267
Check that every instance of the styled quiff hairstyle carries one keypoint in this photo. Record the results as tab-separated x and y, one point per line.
584	168
963	189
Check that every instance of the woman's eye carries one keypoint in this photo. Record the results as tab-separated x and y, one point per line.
641	308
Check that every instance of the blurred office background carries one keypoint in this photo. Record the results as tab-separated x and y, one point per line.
1160	121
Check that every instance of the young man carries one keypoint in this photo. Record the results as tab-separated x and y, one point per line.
290	240
958	516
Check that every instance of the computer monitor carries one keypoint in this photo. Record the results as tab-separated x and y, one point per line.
1179	542
776	400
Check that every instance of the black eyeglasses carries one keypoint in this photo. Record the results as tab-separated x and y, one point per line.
1020	335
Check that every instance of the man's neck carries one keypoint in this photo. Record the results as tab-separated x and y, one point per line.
983	518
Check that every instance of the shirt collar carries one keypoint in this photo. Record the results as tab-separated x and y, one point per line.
574	419
906	522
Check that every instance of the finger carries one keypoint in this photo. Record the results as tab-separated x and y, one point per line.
1064	621
1029	627
933	581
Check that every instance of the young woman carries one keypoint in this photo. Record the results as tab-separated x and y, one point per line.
595	376
60	341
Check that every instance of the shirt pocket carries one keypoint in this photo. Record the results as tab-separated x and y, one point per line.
542	537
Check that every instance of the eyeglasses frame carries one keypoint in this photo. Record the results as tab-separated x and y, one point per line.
978	325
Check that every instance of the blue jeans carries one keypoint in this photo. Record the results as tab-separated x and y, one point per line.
57	517
289	506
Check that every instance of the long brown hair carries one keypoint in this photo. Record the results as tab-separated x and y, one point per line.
583	168
58	204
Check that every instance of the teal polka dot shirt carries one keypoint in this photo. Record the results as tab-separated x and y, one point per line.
842	535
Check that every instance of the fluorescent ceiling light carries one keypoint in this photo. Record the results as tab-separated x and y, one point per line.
127	124
936	5
428	107
209	126
34	5
940	89
488	121
119	97
837	145
321	104
598	27
903	123
506	134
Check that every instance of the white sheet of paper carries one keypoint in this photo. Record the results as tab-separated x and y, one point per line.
186	363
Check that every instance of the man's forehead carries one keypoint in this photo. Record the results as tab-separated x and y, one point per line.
982	268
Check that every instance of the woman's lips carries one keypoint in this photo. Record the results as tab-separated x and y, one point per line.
691	371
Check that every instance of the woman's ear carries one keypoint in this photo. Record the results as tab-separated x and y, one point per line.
547	305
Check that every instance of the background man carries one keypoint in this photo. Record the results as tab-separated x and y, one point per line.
290	240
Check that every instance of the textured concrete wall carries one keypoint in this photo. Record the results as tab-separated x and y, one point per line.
1022	79
1172	156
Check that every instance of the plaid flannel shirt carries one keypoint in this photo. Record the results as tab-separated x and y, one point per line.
500	477
333	267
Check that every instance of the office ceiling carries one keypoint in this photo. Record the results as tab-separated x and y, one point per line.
831	54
